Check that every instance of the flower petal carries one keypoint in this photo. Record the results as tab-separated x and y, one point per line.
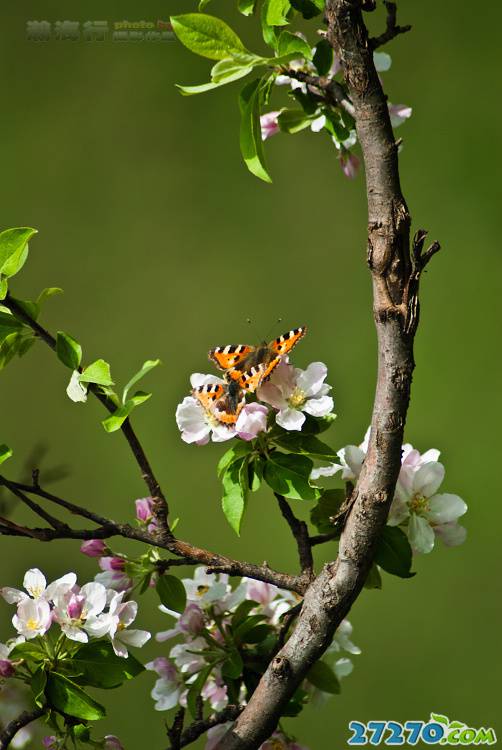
325	471
311	379
451	534
446	508
319	407
420	534
290	419
34	582
428	478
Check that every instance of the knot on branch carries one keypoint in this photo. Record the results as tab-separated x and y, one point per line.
392	29
281	667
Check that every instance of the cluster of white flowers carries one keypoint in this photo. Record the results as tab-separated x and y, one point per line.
90	611
211	601
349	162
291	392
417	506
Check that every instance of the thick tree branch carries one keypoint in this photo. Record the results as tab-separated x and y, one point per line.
329	598
10	731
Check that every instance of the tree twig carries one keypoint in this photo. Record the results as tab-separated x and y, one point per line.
300	531
10	731
392	29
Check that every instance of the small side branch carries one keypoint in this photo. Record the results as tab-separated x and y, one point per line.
392	30
198	728
300	532
10	731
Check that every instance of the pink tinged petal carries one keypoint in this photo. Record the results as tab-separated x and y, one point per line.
34	582
350	164
74	633
319	407
445	508
112	743
325	471
12	596
128	612
399	113
6	668
144	509
93	548
136	638
112	563
60	586
95	598
431	455
420	534
167	635
290	419
119	648
163	667
428	478
451	534
251	421
284	377
269	125
410	456
222	433
272	394
311	380
75	606
404	486
261	592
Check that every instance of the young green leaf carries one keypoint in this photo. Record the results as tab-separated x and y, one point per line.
172	593
68	697
232	666
335	125
315	425
196	688
115	421
308	445
289	43
147	366
37	684
308	8
96	664
45	294
97	372
234	497
14	249
327	507
293	120
323	57
246	7
5	453
8	324
250	130
239	449
206	35
68	350
276	12
4	287
289	476
202	88
394	553
322	677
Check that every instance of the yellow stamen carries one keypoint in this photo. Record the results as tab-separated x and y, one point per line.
297	398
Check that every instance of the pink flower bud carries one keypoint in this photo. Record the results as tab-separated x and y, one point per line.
251	421
75	606
144	509
112	743
350	164
269	125
94	548
6	668
50	742
111	563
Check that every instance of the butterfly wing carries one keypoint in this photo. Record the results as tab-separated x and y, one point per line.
281	346
249	380
223	401
228	357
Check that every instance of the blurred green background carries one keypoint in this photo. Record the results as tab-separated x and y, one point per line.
164	244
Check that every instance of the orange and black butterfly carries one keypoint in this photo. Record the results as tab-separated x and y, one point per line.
224	400
250	366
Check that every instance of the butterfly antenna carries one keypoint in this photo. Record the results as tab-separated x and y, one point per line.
279	320
251	322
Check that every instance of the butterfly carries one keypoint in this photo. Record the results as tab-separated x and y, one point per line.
250	366
224	400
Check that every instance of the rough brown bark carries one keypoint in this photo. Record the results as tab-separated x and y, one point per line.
395	273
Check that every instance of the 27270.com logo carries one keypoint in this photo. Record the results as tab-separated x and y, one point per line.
438	730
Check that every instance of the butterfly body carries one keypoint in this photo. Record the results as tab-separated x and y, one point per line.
223	400
250	366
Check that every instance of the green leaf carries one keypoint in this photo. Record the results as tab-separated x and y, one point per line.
239	449
335	125
374	579
115	421
172	593
242	612
307	101
315	425
68	697
308	445
268	32
29	651
246	625
5	453
246	7
289	43
81	732
293	120
97	372
4	287
329	505
228	70
323	57
394	553
96	664
232	666
322	677
202	88
308	8
147	366
250	130
257	634
29	307
234	497
14	249
206	35
255	473
47	293
9	324
289	476
37	684
276	12
68	350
